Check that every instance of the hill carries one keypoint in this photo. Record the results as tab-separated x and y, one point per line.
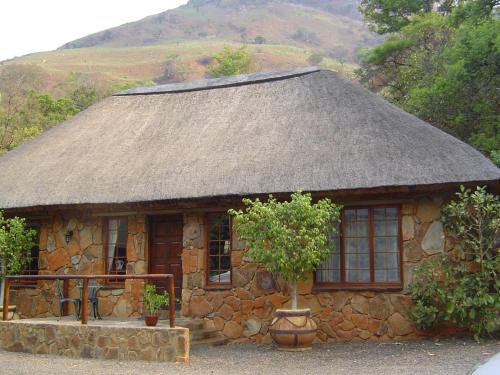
177	44
332	26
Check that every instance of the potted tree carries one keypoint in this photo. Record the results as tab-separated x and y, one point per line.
153	303
290	239
16	242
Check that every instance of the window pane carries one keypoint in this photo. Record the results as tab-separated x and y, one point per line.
116	247
357	245
225	263
386	245
219	247
31	268
213	263
329	270
214	248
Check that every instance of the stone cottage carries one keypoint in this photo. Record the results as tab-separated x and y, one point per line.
141	182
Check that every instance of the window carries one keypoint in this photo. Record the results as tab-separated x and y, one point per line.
116	234
31	268
367	249
219	249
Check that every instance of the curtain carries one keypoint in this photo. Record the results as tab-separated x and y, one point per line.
112	239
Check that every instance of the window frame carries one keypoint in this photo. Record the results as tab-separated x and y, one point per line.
38	227
208	283
105	226
372	285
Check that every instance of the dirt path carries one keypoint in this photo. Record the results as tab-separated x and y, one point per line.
412	357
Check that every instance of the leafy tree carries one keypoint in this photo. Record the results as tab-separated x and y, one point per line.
387	16
315	59
16	241
83	97
16	104
443	67
289	238
231	62
463	287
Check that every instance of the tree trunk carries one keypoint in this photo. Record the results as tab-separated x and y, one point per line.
1	292
2	275
294	295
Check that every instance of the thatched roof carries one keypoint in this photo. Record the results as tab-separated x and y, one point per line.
252	134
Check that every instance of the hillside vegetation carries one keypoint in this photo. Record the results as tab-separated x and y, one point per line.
178	44
335	27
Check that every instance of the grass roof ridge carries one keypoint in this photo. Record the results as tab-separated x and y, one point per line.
216	83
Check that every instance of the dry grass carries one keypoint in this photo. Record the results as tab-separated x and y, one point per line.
108	67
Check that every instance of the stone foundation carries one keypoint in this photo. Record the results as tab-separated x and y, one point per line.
129	340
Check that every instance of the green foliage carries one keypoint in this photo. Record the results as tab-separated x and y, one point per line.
315	59
83	97
463	287
154	302
25	112
259	39
289	238
16	241
388	16
443	67
54	110
231	62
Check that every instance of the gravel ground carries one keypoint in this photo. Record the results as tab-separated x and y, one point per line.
410	357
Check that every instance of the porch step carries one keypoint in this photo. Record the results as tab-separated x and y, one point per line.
199	335
192	324
203	334
214	341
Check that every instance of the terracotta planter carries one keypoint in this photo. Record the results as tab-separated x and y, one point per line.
293	330
151	320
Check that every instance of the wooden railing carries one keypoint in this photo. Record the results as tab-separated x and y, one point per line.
85	289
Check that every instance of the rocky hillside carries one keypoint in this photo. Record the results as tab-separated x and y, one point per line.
178	44
333	26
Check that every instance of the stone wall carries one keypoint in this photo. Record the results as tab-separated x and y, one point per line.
244	311
72	339
84	254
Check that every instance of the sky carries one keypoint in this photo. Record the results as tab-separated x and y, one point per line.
28	26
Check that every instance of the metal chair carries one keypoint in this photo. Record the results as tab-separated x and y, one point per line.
93	292
63	300
92	296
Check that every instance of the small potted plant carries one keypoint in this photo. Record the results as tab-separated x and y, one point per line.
153	303
290	239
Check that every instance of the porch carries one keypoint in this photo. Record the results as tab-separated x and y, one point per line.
105	339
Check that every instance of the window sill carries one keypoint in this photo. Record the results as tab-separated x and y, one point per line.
112	286
219	287
371	288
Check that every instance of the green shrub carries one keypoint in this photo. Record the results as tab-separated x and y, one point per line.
230	62
315	59
463	286
154	302
16	242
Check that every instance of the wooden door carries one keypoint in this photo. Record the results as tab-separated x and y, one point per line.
166	248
